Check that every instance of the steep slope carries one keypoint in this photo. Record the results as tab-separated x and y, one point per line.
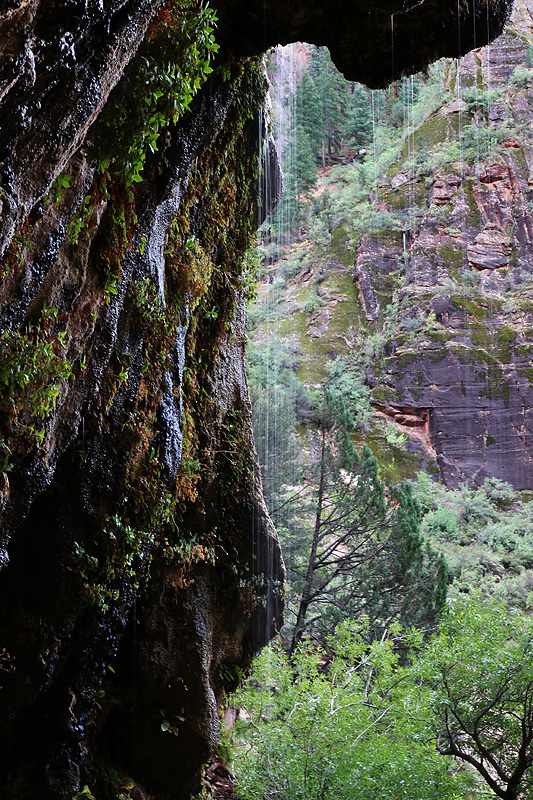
461	351
416	258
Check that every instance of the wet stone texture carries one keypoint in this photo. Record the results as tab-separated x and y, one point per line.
139	570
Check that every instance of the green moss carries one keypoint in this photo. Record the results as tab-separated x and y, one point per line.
473	218
471	306
436	355
480	336
505	392
416	393
402	360
525	372
506	336
395	464
453	258
383	395
340	246
442	336
434	130
389	238
491	374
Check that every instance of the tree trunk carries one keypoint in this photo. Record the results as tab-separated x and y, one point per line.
308	585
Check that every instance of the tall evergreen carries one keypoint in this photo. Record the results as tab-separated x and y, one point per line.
358	128
308	110
322	100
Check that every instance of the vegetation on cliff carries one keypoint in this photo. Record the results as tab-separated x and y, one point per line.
139	567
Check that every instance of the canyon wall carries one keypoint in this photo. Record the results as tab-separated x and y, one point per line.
139	568
460	350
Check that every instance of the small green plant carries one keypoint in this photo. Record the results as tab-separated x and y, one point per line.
84	793
5	466
147	301
522	77
32	370
80	221
395	437
312	304
158	88
61	183
171	722
106	574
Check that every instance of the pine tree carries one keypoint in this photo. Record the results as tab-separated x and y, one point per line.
308	110
358	127
322	99
306	173
355	543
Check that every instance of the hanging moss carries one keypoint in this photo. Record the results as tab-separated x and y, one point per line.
15	253
32	369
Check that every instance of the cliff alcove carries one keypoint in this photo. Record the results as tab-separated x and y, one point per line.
139	568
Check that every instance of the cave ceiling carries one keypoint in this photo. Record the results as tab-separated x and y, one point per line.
370	42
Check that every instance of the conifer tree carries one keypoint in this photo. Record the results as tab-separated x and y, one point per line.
322	100
355	543
358	127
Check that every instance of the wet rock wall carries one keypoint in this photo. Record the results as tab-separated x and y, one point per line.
131	498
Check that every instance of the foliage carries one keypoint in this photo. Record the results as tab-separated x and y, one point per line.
315	730
486	534
158	87
84	793
32	369
321	101
359	124
522	76
398	718
113	566
479	672
277	400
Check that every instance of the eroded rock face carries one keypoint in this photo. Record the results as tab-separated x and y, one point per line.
60	59
139	568
114	508
462	342
371	42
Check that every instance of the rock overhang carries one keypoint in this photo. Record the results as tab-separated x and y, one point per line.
371	42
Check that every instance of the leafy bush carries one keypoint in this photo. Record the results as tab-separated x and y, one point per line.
522	77
486	535
317	732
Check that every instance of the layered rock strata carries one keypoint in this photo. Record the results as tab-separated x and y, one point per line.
462	341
